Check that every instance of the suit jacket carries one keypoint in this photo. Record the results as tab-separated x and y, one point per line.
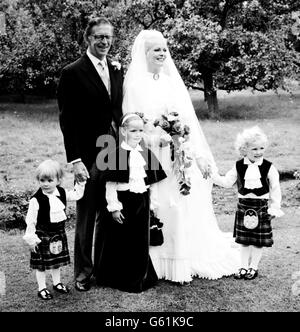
85	108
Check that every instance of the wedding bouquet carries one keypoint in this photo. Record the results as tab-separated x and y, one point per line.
181	160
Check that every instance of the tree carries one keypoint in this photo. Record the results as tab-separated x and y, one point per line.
229	44
216	44
16	72
151	13
41	38
233	45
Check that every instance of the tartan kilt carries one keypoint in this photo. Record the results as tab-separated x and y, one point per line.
261	235
44	259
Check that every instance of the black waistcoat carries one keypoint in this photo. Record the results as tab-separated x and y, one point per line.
118	161
264	170
43	217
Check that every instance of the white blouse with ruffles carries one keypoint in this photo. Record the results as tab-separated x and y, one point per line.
252	180
57	212
136	182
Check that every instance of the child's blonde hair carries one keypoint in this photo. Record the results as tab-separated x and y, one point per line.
126	118
247	137
49	169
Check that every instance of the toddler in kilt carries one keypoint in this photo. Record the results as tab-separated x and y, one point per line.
45	231
259	198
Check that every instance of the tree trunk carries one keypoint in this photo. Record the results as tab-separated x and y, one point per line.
210	95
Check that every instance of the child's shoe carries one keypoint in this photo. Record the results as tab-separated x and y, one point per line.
240	274
61	288
251	274
44	294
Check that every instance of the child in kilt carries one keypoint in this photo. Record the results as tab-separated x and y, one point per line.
45	232
259	198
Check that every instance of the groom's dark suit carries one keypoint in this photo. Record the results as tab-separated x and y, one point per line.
86	112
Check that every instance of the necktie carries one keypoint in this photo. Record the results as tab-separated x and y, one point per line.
104	76
105	79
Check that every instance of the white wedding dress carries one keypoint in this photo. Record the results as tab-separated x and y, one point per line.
193	243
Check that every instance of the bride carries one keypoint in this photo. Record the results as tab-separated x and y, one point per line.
193	243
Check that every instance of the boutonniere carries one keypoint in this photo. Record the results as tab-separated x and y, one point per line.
116	65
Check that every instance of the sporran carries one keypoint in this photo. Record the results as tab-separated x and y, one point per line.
250	219
55	245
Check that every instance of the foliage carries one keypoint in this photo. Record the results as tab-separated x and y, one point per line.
41	38
229	44
19	49
13	207
217	44
297	177
239	44
150	13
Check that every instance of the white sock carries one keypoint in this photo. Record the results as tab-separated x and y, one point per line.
55	276
245	255
41	279
256	253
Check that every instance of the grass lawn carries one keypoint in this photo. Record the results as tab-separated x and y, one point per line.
29	133
270	292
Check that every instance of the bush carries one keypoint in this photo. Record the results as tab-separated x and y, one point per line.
13	209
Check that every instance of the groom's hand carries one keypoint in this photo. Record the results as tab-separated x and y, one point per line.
204	167
81	174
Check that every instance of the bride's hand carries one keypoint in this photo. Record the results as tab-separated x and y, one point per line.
204	167
165	140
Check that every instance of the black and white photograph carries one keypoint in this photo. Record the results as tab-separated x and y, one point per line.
149	158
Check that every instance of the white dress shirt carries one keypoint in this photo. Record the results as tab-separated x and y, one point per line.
101	68
57	212
253	175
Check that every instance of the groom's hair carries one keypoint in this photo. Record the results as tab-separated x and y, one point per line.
96	21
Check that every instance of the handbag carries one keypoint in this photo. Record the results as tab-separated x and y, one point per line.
156	233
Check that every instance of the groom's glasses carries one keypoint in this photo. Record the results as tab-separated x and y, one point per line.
101	37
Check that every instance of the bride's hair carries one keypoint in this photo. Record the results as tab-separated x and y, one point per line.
152	40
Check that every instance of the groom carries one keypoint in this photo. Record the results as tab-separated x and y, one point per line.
90	104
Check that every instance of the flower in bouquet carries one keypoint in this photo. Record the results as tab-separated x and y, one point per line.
142	116
181	160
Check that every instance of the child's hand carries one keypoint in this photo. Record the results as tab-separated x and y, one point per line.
34	248
118	217
81	183
153	211
80	171
165	140
204	167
